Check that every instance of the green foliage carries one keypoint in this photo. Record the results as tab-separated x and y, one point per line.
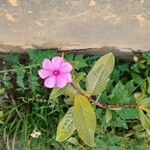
80	62
120	94
26	106
55	93
6	81
108	115
145	120
144	112
65	127
34	82
84	119
99	75
12	58
20	74
1	117
38	55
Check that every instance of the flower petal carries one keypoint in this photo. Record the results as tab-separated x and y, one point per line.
61	81
57	61
47	64
66	67
67	76
50	82
44	73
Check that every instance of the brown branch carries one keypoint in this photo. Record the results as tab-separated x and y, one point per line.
102	105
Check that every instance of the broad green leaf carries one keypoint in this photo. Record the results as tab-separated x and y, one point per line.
145	120
108	115
97	78
65	127
55	93
84	119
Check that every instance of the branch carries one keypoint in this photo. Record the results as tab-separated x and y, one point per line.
102	105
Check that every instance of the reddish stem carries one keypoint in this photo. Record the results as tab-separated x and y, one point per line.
102	105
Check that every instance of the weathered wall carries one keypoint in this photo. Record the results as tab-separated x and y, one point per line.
74	24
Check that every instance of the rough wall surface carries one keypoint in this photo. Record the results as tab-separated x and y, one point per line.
74	24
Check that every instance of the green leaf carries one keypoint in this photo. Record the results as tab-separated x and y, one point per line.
65	127
1	122
84	119
1	117
34	82
120	94
81	63
128	113
12	58
69	91
137	78
69	101
6	80
130	86
145	120
108	115
144	112
2	90
79	76
56	92
145	105
145	102
20	72
138	96
97	78
1	114
73	141
37	56
148	89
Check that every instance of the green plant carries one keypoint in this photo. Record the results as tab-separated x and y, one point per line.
29	108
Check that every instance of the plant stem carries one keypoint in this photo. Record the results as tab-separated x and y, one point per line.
102	105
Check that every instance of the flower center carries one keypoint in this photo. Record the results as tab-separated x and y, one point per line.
56	72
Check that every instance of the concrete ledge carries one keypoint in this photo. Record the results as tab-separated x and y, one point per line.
75	24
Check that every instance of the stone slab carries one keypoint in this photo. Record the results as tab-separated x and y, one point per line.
74	24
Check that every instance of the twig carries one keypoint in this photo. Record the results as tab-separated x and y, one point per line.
102	105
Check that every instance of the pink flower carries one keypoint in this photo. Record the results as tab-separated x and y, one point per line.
55	72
